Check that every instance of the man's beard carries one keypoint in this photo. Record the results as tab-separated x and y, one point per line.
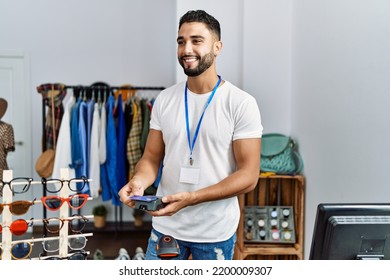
204	63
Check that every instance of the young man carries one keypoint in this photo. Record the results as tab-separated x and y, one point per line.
207	133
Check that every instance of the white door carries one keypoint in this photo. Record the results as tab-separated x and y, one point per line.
14	87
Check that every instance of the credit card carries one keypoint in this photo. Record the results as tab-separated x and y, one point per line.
146	198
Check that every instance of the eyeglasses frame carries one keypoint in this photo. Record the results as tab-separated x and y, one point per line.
62	221
62	181
63	200
69	244
9	183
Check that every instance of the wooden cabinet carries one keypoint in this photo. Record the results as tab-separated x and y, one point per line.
275	191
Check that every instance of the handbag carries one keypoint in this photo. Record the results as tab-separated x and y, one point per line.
279	154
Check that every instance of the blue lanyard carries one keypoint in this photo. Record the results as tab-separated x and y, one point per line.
192	144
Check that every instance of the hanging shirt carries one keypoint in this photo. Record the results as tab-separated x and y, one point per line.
94	164
122	163
104	184
82	169
128	116
77	159
134	152
90	110
109	173
63	157
102	133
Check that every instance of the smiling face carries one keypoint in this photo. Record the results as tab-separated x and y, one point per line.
197	48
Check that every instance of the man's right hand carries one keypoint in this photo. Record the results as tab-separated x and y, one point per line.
133	187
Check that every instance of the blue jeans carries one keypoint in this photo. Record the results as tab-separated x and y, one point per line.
223	250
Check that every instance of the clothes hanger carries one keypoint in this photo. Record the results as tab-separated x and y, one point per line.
99	95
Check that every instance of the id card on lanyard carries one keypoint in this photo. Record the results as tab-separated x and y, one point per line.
189	174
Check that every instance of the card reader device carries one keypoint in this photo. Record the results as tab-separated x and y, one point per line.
148	202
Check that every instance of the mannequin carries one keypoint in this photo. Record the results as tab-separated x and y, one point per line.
7	140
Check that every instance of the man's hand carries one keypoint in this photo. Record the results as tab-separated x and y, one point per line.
175	203
133	187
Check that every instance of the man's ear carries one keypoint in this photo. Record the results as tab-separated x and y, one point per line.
217	47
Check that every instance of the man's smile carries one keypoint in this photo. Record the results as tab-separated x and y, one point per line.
189	60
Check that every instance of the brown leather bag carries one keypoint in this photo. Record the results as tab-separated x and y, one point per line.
45	163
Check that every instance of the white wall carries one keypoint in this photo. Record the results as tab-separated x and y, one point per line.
81	42
267	60
319	70
340	100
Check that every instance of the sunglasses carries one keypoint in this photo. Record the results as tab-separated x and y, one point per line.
54	203
19	207
76	223
74	243
18	227
17	185
55	185
21	250
81	255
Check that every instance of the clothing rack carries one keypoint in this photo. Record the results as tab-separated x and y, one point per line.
89	90
93	91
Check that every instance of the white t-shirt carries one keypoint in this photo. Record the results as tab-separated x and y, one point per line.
232	114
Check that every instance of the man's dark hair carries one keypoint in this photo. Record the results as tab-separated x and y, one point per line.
201	16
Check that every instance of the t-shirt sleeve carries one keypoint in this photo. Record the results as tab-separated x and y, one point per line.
247	120
156	115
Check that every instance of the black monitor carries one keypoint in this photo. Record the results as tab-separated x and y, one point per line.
351	232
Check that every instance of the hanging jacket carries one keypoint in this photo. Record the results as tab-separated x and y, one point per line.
63	156
82	169
122	163
134	152
109	172
75	139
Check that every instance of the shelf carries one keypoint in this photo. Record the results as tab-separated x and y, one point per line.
276	190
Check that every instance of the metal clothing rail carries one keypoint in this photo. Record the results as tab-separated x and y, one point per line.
95	90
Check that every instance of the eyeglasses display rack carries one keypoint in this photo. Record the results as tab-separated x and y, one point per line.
6	217
63	234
